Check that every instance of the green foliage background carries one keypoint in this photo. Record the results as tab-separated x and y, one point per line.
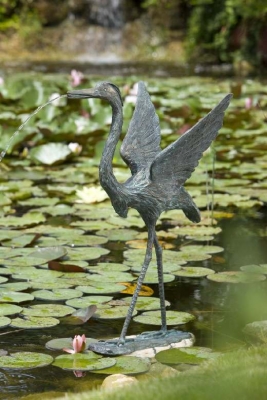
212	26
214	30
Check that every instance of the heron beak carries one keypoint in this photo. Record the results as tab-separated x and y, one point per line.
81	94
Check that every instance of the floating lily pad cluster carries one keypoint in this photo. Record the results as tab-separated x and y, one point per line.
49	136
58	275
93	362
59	234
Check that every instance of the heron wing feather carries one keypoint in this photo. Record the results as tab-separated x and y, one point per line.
176	162
142	141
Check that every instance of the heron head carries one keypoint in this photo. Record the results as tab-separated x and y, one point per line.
103	90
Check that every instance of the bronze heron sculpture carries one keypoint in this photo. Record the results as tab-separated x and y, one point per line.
157	180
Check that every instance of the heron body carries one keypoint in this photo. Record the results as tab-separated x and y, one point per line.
158	176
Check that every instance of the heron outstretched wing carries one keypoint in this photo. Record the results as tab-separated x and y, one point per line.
175	164
142	141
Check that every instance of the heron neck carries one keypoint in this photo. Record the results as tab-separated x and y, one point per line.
106	176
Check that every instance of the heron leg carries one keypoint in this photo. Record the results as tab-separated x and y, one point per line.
148	256
158	250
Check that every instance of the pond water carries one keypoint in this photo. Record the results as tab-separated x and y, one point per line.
221	312
121	68
46	205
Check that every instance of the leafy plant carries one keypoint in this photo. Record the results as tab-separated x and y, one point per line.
225	29
19	15
8	17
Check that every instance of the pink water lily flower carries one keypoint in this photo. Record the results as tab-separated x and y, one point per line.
76	77
248	103
78	343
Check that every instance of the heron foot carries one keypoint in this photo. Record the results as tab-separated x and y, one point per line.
143	341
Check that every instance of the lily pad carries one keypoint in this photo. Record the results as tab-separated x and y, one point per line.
30	322
193	272
236	277
48	310
118	235
15	286
9	309
196	230
152	277
57	210
48	284
36	273
137	256
173	318
7	235
205	238
22	240
111	276
87	240
168	267
101	288
118	312
131	221
14	297
87	253
40	201
108	267
3	280
4	200
25	360
61	232
28	219
92	225
22	261
127	365
192	249
4	321
65	343
192	355
83	362
86	301
145	303
57	294
190	256
83	211
255	268
6	271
